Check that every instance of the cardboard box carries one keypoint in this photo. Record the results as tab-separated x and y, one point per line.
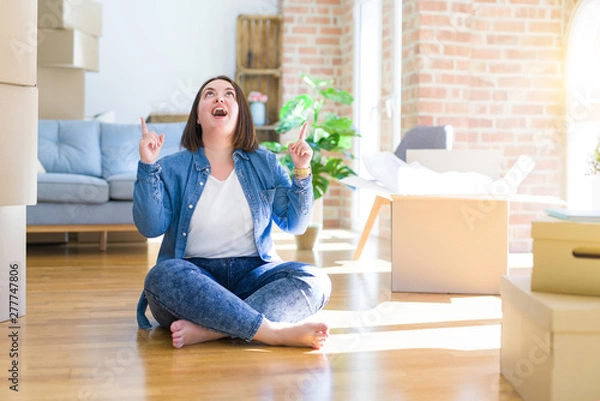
566	256
67	48
449	244
71	14
62	93
550	343
446	243
18	42
18	152
450	220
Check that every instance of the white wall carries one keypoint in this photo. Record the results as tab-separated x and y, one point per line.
155	55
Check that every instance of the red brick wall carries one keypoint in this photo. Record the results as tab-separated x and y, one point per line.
318	40
312	41
494	69
411	78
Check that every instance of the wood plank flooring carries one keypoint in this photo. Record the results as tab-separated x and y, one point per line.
79	339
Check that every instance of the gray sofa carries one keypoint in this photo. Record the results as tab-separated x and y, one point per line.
90	168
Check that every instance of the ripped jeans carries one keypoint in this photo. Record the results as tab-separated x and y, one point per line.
232	295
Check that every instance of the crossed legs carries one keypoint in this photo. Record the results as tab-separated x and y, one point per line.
202	300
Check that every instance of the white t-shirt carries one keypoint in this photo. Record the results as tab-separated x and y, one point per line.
221	225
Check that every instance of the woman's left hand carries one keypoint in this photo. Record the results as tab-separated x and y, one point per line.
300	151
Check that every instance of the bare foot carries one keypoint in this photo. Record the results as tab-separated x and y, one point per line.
312	335
188	333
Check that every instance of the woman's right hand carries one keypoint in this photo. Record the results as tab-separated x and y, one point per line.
150	144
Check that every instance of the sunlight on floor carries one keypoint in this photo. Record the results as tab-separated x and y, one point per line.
395	313
467	338
359	266
406	325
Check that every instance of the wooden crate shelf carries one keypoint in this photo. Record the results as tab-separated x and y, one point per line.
267	84
259	41
258	64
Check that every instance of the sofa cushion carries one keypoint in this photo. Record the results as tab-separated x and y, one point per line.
70	146
115	212
121	186
120	144
71	188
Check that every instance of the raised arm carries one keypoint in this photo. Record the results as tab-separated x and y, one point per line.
150	144
150	215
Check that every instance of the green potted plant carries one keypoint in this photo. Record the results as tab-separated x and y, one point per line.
329	135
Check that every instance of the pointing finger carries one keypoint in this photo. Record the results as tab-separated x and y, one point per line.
144	128
303	131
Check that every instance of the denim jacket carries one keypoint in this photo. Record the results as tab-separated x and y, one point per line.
166	193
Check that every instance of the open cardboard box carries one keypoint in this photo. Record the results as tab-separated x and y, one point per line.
452	236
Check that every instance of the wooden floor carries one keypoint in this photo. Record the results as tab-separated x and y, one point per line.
79	339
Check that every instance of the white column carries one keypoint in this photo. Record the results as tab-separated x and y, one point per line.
12	263
18	149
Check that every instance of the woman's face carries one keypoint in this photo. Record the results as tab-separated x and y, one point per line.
218	108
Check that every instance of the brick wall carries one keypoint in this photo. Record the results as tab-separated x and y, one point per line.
494	69
318	40
312	40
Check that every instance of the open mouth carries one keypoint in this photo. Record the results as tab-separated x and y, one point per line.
219	112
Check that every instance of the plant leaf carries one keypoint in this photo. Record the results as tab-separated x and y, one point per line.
316	83
326	168
293	113
337	95
340	125
320	182
288	124
336	168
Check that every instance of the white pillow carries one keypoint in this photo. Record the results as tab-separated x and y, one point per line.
40	167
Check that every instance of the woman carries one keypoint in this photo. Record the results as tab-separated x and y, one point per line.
217	273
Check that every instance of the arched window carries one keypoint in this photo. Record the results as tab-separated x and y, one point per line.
583	102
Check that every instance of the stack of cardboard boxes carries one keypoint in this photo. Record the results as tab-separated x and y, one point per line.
68	32
551	319
18	129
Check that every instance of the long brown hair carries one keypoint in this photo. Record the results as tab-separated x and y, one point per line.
244	137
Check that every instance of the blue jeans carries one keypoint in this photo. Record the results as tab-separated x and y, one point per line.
232	295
